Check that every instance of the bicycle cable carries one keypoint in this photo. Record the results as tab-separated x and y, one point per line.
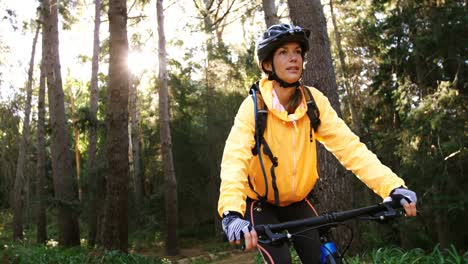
334	224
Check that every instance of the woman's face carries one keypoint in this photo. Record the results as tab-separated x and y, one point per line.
288	62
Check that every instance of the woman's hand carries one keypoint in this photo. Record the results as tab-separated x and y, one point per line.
407	199
235	228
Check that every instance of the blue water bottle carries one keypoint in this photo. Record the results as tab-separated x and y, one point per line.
327	253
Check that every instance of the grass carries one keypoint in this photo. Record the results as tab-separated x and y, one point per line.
394	255
18	253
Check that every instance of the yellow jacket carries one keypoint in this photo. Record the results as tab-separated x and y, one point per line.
289	140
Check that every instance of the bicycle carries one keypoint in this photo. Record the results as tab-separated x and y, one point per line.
273	234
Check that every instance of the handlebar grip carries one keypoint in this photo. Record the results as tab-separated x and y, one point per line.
395	204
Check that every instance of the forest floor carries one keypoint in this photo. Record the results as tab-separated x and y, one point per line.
199	256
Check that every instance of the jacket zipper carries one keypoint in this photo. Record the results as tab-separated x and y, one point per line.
294	131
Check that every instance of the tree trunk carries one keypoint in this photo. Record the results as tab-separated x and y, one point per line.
269	9
135	139
172	243
94	204
333	190
20	183
76	136
64	181
210	78
115	224
356	121
41	189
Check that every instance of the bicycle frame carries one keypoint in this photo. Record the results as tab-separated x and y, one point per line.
273	233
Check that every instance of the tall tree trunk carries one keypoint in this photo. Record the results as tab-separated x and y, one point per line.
41	189
212	151
94	203
64	181
172	243
135	139
115	223
76	136
356	121
333	189
269	9
18	204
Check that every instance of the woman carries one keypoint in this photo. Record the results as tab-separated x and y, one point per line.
242	201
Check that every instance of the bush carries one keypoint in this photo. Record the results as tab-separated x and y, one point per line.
17	253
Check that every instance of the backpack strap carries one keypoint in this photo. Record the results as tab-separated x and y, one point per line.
261	115
312	111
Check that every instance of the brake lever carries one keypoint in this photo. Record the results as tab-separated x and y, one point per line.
388	214
273	238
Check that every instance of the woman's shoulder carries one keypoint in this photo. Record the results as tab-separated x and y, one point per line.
319	97
246	109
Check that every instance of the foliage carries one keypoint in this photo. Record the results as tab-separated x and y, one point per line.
407	66
17	253
393	255
9	142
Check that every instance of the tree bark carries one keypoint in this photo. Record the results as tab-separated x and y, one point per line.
94	203
41	189
271	16
76	137
333	190
135	139
115	224
64	181
172	243
20	183
356	121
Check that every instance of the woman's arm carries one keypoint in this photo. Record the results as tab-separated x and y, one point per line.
235	162
337	138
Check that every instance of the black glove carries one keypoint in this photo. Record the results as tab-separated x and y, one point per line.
234	225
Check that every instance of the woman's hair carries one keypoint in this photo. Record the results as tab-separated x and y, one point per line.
294	101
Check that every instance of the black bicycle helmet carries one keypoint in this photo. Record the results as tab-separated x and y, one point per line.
273	38
277	35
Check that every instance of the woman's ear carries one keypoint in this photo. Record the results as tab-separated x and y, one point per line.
266	65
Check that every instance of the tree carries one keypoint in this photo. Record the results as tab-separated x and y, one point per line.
20	183
269	9
135	143
350	91
333	189
94	204
41	190
114	229
64	181
172	243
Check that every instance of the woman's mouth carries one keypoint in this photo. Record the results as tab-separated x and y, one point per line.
293	68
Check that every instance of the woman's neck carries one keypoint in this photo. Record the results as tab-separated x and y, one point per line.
284	94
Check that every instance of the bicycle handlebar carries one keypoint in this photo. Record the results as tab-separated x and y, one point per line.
379	212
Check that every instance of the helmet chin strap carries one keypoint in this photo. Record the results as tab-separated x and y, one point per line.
274	77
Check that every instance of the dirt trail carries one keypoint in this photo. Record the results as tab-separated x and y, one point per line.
243	257
228	257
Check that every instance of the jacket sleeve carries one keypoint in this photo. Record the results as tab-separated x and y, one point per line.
338	138
235	163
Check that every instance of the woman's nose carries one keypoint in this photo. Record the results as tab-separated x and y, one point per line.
293	57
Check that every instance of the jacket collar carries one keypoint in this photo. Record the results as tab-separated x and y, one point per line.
266	88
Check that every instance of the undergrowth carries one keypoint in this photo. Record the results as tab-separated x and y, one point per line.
17	253
394	255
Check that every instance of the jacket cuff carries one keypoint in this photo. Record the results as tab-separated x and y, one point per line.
232	213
